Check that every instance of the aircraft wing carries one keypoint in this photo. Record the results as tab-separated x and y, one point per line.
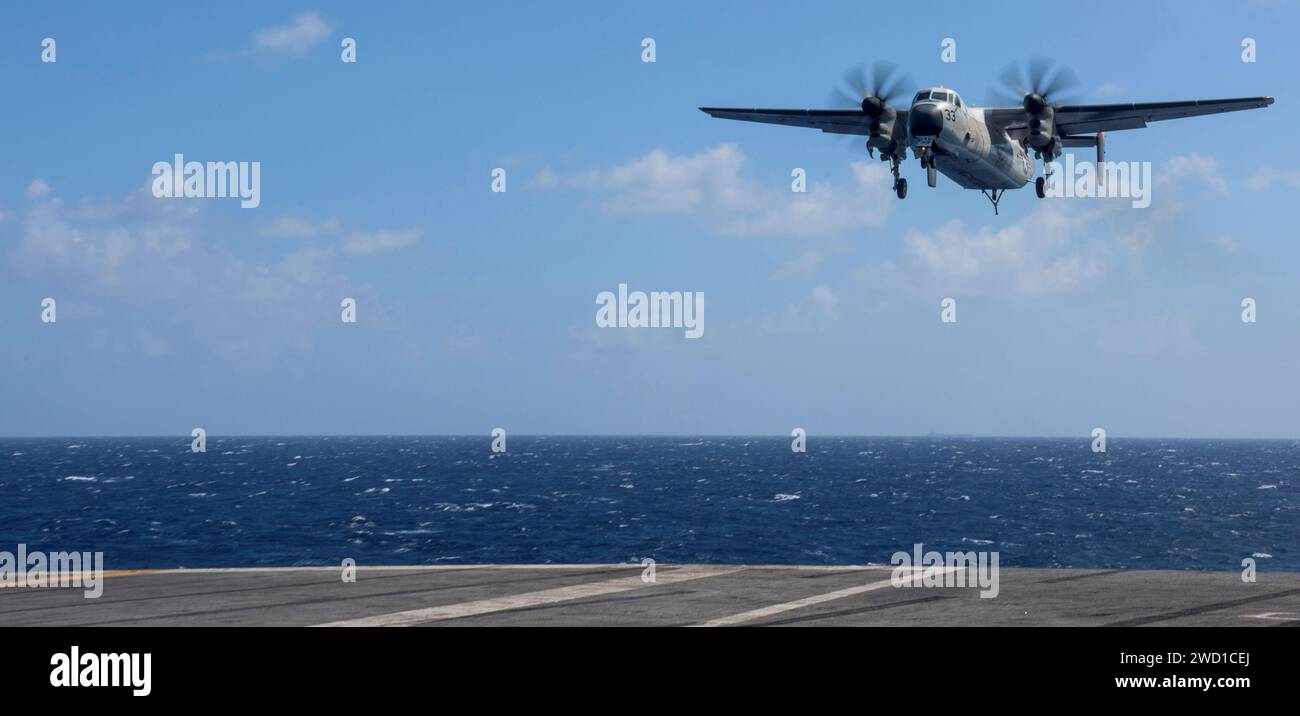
1089	118
835	121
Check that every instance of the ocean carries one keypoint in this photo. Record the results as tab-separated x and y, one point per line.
284	501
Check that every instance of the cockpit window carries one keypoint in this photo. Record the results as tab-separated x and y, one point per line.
936	96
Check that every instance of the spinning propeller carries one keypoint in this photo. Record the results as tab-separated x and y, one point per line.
873	91
1039	87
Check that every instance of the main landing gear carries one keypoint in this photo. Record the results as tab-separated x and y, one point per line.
1040	184
900	184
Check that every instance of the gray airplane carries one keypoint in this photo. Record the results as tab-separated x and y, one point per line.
979	148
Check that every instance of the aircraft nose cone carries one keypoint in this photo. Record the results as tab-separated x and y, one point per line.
925	120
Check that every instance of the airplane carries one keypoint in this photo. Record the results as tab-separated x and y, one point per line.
985	148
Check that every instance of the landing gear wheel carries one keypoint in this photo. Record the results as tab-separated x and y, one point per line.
900	184
931	175
1040	186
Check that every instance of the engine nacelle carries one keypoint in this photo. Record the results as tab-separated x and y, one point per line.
886	132
1042	127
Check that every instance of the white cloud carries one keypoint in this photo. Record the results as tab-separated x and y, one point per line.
293	227
1033	256
659	183
815	311
308	266
710	185
1062	245
354	242
1109	89
824	209
824	297
546	179
1266	177
105	247
294	39
37	189
376	241
1192	166
1227	243
802	266
145	251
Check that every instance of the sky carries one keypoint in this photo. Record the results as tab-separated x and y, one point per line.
477	309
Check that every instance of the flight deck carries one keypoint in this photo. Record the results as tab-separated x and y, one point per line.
679	595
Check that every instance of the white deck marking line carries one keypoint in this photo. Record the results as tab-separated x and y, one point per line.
1276	616
817	599
530	599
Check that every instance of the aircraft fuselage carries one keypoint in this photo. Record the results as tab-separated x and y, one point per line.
965	148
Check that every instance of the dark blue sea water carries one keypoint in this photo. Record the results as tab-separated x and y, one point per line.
150	502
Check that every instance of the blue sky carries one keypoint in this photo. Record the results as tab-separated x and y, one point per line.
476	309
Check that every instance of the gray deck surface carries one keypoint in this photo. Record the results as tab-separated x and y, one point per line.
600	595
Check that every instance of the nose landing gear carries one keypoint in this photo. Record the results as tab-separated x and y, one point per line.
927	161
